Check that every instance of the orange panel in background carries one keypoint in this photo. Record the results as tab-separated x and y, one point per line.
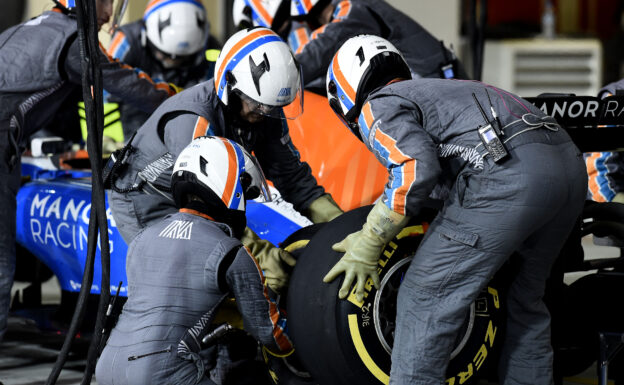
339	161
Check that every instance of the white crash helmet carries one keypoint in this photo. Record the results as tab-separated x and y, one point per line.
218	169
363	64
257	66
257	13
176	27
301	7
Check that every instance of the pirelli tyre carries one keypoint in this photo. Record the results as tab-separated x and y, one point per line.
288	370
344	342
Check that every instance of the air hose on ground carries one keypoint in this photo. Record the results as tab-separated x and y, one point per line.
93	98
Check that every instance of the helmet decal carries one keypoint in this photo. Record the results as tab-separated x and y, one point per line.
258	70
162	24
201	23
242	48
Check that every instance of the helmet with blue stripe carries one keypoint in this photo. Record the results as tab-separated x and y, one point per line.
260	13
220	173
67	6
176	27
257	67
362	65
301	7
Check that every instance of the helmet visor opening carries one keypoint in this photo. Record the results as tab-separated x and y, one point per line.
254	183
290	111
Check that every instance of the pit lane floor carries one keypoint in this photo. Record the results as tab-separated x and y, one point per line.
27	354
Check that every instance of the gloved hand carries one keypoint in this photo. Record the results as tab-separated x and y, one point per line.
362	250
270	258
618	198
323	209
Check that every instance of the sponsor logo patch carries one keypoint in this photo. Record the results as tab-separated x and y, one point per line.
177	230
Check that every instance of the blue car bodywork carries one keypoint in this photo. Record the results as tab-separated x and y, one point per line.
53	219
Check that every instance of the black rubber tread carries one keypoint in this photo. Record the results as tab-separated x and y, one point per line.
319	321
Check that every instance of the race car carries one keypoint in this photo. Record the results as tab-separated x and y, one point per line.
52	223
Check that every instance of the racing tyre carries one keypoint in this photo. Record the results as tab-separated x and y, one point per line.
343	342
288	370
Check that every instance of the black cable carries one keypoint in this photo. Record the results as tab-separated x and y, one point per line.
477	24
93	99
98	197
472	32
481	38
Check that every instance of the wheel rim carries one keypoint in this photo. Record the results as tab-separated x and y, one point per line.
384	310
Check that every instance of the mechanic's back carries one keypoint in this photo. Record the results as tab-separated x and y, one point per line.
181	268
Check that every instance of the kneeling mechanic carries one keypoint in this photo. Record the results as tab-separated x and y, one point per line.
181	269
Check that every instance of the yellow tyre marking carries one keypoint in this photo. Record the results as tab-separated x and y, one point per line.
297	245
411	231
363	353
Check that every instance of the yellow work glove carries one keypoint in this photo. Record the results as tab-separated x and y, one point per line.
270	258
618	198
323	209
362	250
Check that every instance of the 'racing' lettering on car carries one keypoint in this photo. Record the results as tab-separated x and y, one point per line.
62	221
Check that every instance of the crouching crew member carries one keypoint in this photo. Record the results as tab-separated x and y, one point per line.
181	268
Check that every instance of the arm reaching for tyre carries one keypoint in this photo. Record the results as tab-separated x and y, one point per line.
362	250
270	258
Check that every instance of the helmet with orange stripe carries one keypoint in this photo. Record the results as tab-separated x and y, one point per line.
362	65
314	12
272	14
257	72
176	30
221	175
67	6
107	10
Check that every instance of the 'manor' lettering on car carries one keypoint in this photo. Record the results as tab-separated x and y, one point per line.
62	221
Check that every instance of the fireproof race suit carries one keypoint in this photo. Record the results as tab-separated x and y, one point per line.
424	54
40	61
140	194
425	132
128	45
606	169
179	271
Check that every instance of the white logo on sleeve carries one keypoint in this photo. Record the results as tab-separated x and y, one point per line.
177	230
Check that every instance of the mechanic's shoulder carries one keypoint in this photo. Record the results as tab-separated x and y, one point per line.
390	95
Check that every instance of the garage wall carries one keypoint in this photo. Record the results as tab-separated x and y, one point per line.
135	10
440	17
